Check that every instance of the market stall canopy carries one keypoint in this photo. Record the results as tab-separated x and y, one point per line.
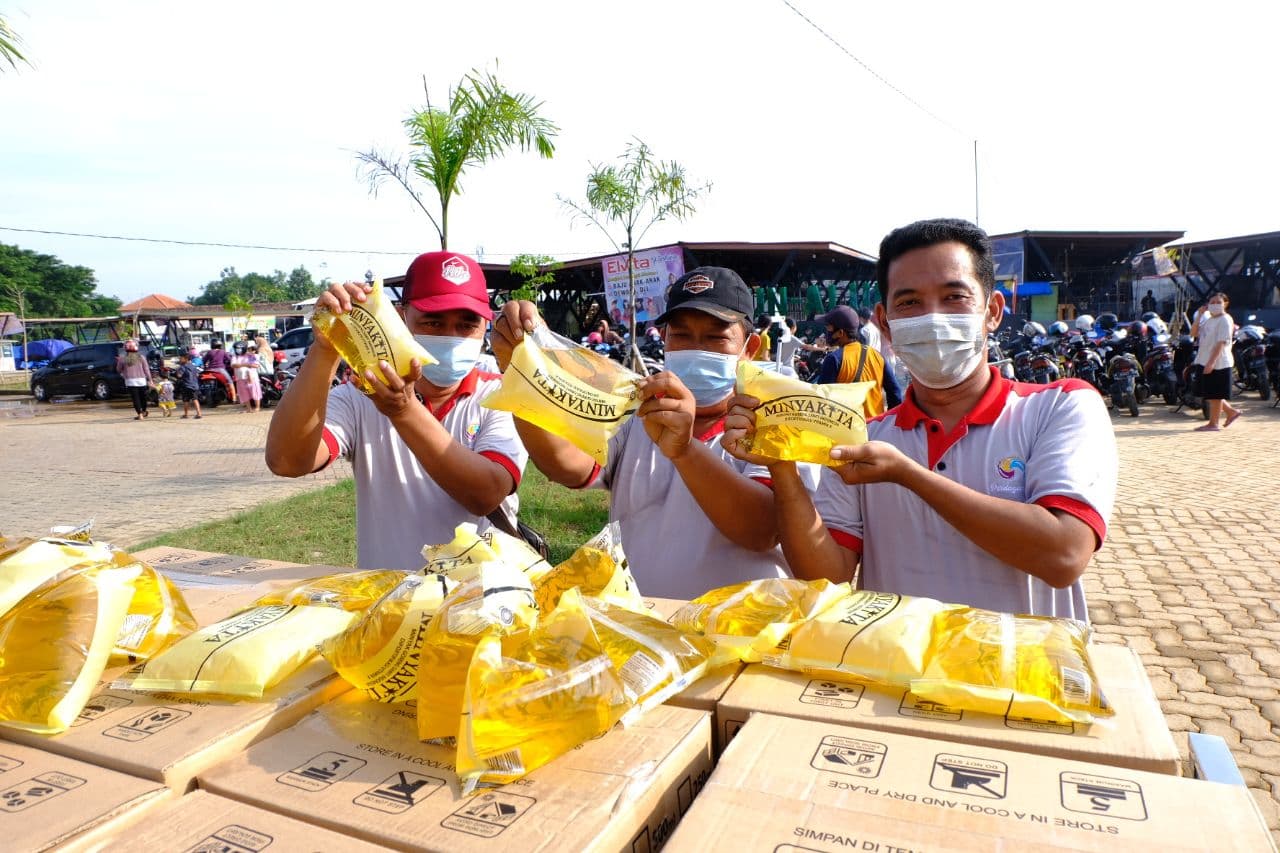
152	302
10	324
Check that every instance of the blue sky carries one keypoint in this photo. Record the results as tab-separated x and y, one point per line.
237	122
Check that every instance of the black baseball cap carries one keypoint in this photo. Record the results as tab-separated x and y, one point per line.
841	318
717	291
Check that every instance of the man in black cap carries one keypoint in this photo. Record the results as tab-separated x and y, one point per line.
851	360
693	517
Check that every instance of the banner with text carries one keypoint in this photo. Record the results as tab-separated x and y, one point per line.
655	271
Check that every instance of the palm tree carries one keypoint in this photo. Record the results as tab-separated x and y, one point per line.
481	122
9	41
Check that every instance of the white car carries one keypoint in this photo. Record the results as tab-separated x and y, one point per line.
294	343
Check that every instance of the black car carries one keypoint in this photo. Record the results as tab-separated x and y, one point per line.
88	370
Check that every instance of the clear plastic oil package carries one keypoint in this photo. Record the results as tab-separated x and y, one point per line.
748	620
55	644
1023	666
654	659
370	332
598	568
533	696
800	422
498	600
344	590
27	563
379	655
461	558
567	390
243	655
158	615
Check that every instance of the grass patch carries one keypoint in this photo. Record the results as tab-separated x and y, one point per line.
320	526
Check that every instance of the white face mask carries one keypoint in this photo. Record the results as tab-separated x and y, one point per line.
1216	308
940	350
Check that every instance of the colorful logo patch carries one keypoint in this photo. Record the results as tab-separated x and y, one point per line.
455	270
698	284
472	430
1009	465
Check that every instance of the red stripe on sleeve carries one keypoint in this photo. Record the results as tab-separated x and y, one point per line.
846	540
331	444
512	468
1080	510
591	478
764	481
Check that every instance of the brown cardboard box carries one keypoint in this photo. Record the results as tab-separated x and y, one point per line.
170	738
358	767
204	822
706	693
1136	737
785	784
46	799
191	568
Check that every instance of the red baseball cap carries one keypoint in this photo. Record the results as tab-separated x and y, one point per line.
443	281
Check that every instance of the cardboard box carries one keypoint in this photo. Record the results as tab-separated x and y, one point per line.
785	784
170	738
191	568
358	767
204	822
47	800
1136	737
706	693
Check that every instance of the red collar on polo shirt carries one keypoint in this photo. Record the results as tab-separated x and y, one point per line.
465	388
984	413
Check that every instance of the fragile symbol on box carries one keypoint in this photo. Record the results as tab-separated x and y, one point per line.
233	839
849	756
322	771
913	706
832	694
488	814
400	792
1089	794
147	723
36	790
976	777
100	706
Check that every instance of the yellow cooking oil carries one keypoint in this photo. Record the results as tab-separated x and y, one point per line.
800	422
371	332
345	590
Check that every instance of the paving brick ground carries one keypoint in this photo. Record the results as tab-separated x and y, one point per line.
1189	577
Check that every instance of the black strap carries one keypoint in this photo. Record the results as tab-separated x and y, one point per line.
499	519
862	360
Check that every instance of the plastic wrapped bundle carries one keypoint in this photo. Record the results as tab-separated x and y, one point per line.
346	590
55	643
25	564
379	655
462	557
372	331
498	600
567	390
598	569
748	620
800	422
157	617
535	695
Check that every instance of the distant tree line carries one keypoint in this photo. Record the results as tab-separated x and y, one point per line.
37	285
255	287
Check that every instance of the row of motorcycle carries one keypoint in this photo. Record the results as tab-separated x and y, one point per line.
1131	363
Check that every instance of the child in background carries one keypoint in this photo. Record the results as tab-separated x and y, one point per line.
164	389
188	387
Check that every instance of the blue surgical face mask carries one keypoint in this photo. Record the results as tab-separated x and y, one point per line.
456	356
708	375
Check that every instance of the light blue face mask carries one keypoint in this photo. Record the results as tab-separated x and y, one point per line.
456	356
708	375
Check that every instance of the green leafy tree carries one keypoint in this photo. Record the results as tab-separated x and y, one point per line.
49	287
9	41
300	285
481	121
257	288
537	271
632	196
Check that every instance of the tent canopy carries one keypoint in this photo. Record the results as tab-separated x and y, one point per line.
152	302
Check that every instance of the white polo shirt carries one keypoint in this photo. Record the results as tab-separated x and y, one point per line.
399	508
1051	445
673	549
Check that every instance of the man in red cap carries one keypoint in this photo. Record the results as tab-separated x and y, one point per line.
426	456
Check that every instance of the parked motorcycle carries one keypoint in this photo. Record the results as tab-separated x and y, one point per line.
272	388
1122	374
1158	370
215	389
996	356
1250	352
1085	363
1044	365
1273	363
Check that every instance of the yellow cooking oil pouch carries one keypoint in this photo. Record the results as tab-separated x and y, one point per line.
868	636
55	644
654	659
567	390
372	331
27	563
243	655
498	600
158	615
1035	667
461	558
598	568
748	620
379	655
531	697
346	590
800	422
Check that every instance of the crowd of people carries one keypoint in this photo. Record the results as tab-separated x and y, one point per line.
243	371
971	490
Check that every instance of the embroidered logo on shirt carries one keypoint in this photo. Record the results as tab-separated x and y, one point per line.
1008	467
472	430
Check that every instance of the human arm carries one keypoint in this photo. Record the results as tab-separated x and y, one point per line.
739	507
829	371
554	456
892	391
